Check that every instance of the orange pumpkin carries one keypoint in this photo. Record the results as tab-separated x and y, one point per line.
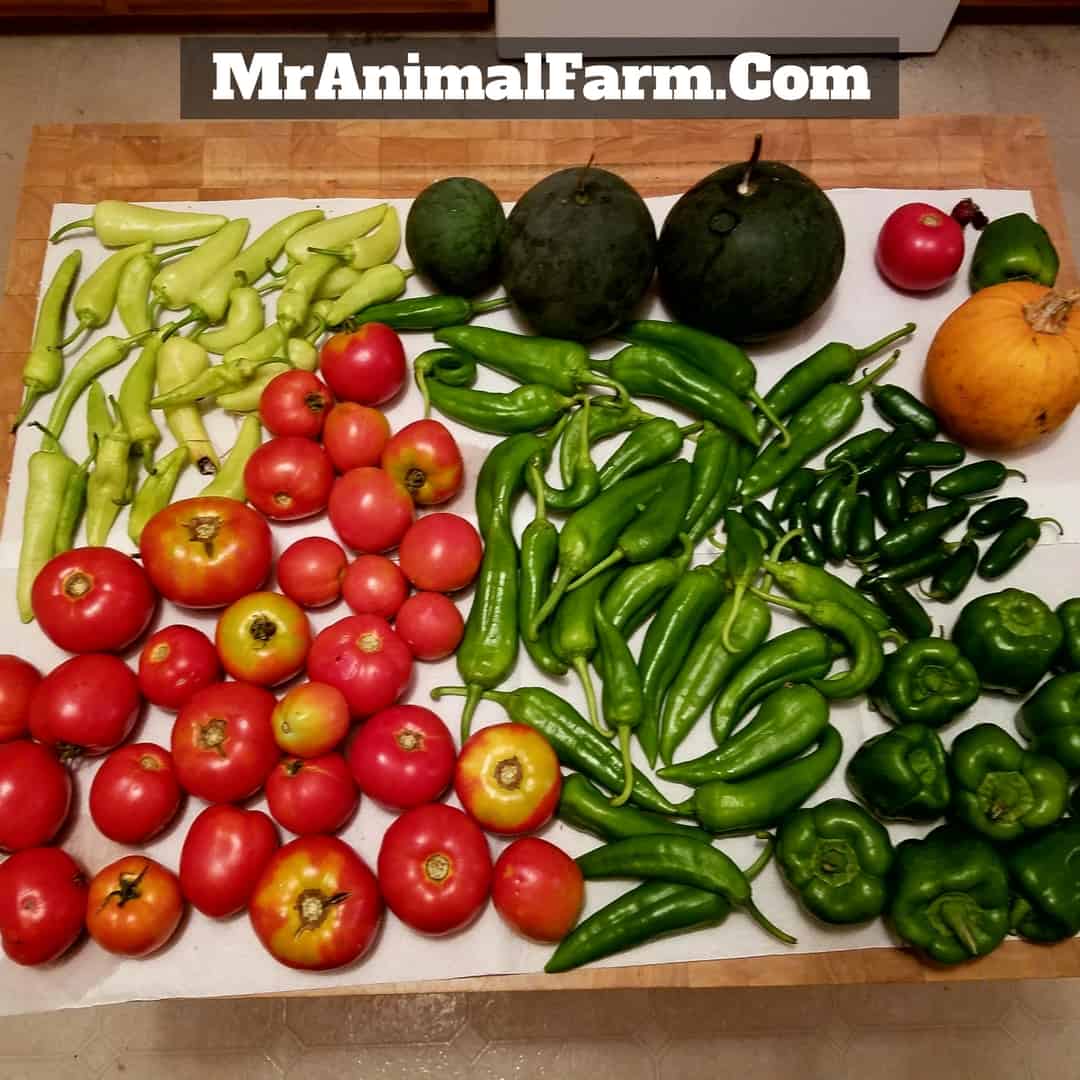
1004	368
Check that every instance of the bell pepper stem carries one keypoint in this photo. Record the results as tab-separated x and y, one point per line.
628	767
613	559
82	223
766	410
955	918
581	666
869	350
754	912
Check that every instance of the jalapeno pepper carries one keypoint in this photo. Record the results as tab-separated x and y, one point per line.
638	591
886	458
808	546
915	569
680	860
583	806
933	455
826	490
1012	544
622	702
762	800
952	576
887	497
919	532
863	530
858	449
761	518
905	612
900	406
836	524
995	516
973	479
915	495
428	312
796	489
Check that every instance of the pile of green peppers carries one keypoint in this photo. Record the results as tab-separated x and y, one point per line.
608	552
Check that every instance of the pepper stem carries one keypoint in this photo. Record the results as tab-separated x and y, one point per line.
472	699
482	307
613	559
176	251
621	395
422	386
955	918
766	410
80	329
778	547
1052	521
763	859
581	666
754	912
729	622
82	223
628	767
337	253
867	351
30	399
558	590
1017	472
868	380
780	601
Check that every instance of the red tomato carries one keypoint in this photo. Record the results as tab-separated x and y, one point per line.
434	869
206	552
87	705
363	657
295	403
430	624
316	795
311	719
310	570
316	905
426	461
289	478
134	906
263	638
223	742
402	757
224	852
35	795
538	889
441	553
355	435
92	599
508	779
42	904
919	247
18	680
369	511
373	585
135	793
175	662
367	365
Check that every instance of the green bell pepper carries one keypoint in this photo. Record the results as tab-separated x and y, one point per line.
926	681
1050	720
1068	659
837	858
1013	248
1045	872
1011	637
951	897
1002	790
902	774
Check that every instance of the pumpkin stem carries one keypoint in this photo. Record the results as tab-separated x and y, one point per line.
745	187
1050	313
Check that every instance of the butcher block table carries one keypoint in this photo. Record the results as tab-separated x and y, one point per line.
206	161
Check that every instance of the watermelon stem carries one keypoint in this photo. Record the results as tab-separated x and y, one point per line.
745	187
579	195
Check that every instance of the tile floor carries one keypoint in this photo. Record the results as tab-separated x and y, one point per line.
1027	1030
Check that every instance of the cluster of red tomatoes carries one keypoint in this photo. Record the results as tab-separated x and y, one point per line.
314	903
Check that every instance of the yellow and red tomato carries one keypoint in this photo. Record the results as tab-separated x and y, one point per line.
263	638
426	461
317	904
134	906
538	889
311	719
508	779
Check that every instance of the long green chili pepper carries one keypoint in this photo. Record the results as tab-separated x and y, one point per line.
590	534
715	471
574	638
887	497
362	252
133	291
832	363
299	291
915	494
860	638
797	488
117	223
213	297
639	590
681	860
575	741
378	285
606	418
744	553
973	479
99	358
863	530
44	367
1012	545
133	402
95	298
652	372
107	487
668	640
228	481
622	702
713	355
647	912
953	574
176	285
858	449
900	407
584	807
996	515
708	665
156	491
905	612
919	532
334	232
50	472
760	801
915	569
808	546
836	524
429	312
73	506
832	412
538	556
652	443
245	318
504	469
560	365
790	720
808	584
585	483
795	656
933	455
